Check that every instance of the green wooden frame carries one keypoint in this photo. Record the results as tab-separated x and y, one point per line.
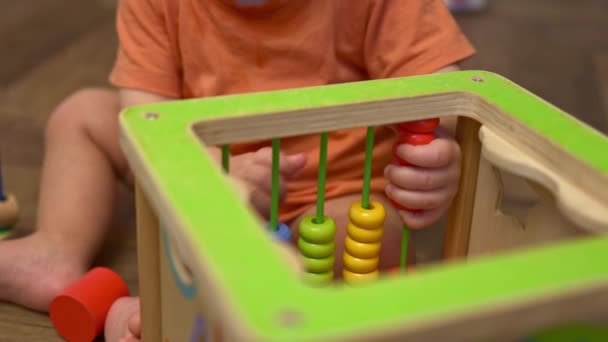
259	286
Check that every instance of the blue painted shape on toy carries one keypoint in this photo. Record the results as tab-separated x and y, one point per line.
283	233
199	330
187	290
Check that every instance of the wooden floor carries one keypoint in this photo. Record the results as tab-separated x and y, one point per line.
556	48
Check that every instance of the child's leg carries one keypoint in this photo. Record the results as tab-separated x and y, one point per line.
390	252
77	195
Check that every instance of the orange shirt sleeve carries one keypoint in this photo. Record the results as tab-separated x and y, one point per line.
147	57
406	38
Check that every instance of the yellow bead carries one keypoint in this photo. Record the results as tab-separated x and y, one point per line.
364	235
367	218
358	265
357	278
361	250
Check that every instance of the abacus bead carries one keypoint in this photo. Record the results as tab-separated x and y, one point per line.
283	233
357	278
364	235
357	265
319	278
371	218
420	126
317	232
401	207
415	139
361	250
319	265
5	232
317	251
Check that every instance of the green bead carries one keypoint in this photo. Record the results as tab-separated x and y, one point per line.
316	251
5	232
317	232
319	278
319	265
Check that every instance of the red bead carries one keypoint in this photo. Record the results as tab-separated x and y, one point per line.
415	139
420	126
400	207
415	133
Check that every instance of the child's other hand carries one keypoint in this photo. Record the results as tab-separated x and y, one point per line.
254	170
429	184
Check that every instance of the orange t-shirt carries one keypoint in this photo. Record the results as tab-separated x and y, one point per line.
200	48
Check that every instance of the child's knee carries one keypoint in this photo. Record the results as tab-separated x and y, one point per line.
71	114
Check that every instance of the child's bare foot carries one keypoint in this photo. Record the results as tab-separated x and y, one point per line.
35	270
123	323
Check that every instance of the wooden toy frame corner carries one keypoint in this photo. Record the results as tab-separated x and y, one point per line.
204	261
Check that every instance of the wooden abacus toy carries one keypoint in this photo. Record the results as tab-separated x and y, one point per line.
208	271
9	211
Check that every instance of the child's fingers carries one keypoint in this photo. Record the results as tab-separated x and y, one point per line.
130	339
422	219
421	199
292	165
260	201
135	325
438	153
261	180
288	165
415	178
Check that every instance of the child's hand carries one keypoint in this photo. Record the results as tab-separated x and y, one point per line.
254	171
429	184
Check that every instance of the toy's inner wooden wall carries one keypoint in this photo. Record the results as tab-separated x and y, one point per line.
521	203
514	212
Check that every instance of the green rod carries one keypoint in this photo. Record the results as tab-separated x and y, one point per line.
274	208
369	146
226	158
322	178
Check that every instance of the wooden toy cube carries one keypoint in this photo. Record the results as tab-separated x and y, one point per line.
208	271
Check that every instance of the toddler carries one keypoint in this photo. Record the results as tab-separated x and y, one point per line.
177	49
